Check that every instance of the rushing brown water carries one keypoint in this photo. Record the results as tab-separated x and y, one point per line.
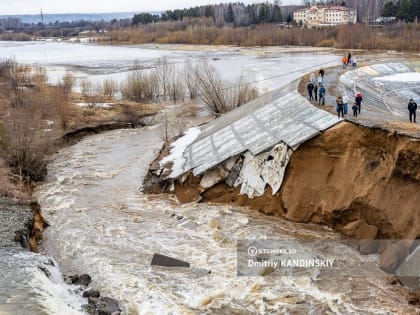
101	224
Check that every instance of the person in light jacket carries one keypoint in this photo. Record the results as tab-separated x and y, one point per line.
345	103
353	62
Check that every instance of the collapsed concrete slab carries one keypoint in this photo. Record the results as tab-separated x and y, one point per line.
255	141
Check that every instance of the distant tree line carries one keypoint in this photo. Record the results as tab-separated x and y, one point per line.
237	14
407	10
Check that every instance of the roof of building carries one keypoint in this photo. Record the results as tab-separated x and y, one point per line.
332	8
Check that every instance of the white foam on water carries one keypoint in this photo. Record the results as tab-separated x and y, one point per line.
103	226
32	284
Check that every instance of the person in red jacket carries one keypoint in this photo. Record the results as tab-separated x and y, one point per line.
358	99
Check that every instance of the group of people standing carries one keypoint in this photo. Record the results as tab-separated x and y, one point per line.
349	60
343	101
316	88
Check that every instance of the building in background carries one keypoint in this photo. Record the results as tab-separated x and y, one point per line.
325	15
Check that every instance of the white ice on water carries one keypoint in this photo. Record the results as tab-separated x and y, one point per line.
268	68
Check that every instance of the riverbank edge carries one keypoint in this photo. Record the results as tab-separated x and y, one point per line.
26	229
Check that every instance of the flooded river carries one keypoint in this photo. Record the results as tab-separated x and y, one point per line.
101	224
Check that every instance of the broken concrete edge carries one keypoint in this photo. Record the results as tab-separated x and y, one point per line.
311	120
160	179
252	173
23	224
23	231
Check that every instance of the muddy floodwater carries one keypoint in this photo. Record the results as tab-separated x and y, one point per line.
101	224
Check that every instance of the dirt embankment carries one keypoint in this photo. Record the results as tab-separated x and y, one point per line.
363	182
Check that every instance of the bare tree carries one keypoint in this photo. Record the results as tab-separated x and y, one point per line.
211	89
164	71
92	92
173	124
141	86
219	96
176	87
25	144
109	88
190	80
68	82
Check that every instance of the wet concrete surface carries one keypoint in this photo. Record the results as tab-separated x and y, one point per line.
383	108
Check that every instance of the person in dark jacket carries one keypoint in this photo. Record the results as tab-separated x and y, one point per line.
316	92
321	95
310	91
358	99
349	59
321	73
355	108
412	107
340	106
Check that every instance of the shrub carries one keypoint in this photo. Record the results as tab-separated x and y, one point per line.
109	88
218	96
25	144
68	82
141	86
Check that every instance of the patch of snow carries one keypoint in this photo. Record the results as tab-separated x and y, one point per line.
401	77
177	149
48	122
97	105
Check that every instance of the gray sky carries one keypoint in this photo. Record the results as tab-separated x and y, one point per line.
89	6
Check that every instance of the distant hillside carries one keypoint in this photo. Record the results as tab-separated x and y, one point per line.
71	17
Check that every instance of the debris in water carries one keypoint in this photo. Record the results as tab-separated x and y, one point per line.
166	261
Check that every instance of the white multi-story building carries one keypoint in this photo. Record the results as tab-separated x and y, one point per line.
323	15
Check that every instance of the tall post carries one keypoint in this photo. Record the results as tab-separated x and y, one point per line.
42	19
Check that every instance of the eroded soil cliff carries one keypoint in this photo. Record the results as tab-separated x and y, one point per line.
363	182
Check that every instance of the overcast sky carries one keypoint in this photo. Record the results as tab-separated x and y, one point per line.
100	6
